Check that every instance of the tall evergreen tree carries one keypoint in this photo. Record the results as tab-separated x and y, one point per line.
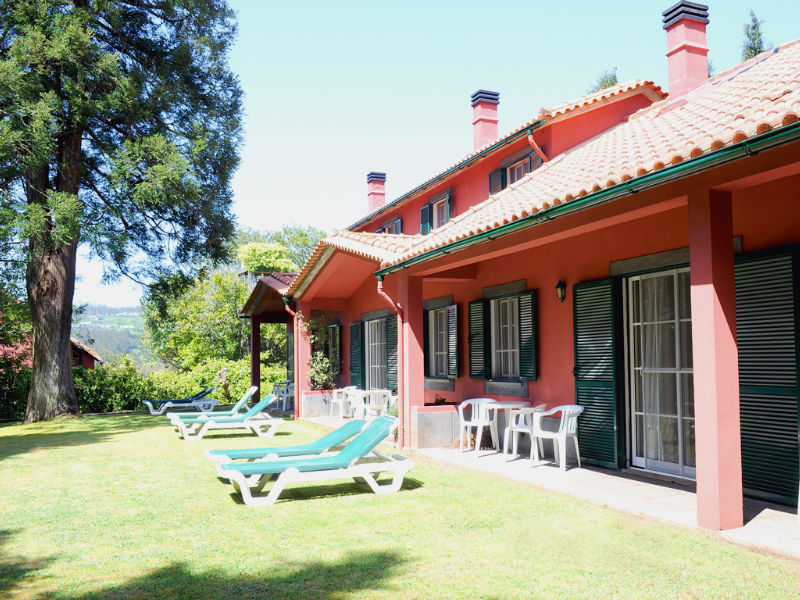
606	79
753	43
119	129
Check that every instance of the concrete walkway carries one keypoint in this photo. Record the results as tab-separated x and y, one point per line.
769	527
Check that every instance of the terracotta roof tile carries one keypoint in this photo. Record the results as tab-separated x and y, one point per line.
653	90
634	86
752	98
379	247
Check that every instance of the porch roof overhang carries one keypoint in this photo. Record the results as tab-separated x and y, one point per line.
266	301
335	275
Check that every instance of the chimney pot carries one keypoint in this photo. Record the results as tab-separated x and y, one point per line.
376	190
687	48
484	117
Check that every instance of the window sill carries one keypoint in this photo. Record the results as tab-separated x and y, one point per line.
441	384
506	387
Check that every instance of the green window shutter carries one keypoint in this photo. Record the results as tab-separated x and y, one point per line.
478	340
497	181
447	208
597	324
335	347
426	348
526	304
356	354
391	352
451	312
425	219
399	225
535	161
766	335
290	352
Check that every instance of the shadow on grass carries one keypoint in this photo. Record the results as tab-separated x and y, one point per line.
72	432
344	488
313	579
13	569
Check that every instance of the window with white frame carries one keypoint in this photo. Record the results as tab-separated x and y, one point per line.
505	338
438	214
375	353
518	170
437	343
393	227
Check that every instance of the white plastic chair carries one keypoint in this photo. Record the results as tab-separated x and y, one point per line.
521	422
356	404
340	398
567	428
480	417
376	402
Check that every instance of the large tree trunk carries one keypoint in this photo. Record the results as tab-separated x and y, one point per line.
50	280
51	283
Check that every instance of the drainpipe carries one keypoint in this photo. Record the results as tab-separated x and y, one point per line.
400	362
286	301
536	147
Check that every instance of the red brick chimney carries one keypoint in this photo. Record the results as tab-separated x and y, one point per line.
376	190
687	50
484	116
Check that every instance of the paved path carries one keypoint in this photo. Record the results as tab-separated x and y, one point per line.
769	527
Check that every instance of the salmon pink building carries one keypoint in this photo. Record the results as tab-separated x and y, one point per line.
633	251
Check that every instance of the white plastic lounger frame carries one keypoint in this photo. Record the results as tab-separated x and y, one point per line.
239	408
260	423
366	470
204	405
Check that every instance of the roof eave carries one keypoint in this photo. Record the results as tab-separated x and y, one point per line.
759	143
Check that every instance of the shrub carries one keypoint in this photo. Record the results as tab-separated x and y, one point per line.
112	387
14	386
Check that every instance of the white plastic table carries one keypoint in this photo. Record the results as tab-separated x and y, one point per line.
363	402
496	406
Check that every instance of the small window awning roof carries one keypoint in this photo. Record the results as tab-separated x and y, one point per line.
266	300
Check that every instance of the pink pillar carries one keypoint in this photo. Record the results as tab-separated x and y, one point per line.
412	364
302	356
255	356
716	367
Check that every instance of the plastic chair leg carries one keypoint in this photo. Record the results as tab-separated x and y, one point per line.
577	451
478	436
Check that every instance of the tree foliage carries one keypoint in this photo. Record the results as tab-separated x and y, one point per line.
753	43
605	80
299	240
119	129
257	256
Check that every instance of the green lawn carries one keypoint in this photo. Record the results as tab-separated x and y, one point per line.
120	507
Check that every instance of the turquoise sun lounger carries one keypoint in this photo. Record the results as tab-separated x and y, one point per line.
198	400
358	460
334	438
260	423
237	409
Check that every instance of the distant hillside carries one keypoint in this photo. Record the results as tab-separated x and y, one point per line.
112	331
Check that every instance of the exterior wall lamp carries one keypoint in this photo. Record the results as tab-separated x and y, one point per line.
561	290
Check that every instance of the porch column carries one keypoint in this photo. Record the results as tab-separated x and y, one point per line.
412	364
255	356
302	356
716	367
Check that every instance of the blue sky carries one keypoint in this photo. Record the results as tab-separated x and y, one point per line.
336	89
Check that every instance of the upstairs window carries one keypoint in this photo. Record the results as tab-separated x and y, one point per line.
395	226
518	170
435	213
512	169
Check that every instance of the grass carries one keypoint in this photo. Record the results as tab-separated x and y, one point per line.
119	507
